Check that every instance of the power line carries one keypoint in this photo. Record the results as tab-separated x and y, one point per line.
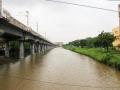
83	5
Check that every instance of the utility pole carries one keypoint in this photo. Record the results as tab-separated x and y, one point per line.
0	8
37	26
45	36
27	16
119	17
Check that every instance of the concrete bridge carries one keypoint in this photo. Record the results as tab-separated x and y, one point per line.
13	30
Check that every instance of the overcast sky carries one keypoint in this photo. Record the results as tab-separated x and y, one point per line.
62	22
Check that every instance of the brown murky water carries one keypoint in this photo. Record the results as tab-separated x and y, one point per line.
59	69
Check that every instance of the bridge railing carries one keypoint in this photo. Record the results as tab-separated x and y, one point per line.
13	21
17	23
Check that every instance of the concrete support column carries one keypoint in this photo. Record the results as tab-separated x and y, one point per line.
39	48
48	47
7	49
32	48
0	8
45	47
21	52
35	48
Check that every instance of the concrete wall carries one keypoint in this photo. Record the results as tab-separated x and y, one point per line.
116	33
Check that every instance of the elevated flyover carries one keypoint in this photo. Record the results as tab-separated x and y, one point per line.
13	30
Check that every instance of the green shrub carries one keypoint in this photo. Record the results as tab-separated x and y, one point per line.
117	65
106	59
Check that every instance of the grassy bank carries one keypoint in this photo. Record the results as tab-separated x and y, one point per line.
111	58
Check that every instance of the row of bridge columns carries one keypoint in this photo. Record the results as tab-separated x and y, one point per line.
34	48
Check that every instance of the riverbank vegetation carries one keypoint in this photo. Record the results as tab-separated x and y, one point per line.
99	48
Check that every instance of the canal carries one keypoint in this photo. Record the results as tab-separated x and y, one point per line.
59	69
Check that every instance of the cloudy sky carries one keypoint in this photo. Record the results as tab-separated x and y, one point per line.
62	22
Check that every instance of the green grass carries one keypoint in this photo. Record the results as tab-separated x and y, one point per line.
111	58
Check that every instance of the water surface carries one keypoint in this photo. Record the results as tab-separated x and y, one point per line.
59	69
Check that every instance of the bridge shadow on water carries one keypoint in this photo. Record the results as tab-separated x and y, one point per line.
14	58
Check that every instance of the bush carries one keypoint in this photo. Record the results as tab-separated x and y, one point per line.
106	59
117	65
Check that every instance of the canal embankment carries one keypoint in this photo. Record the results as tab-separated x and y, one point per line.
111	58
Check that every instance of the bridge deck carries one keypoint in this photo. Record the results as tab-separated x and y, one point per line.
11	20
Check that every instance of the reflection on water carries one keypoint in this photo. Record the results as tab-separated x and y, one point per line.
58	69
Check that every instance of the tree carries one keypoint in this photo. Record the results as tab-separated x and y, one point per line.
75	43
105	40
83	43
90	42
97	42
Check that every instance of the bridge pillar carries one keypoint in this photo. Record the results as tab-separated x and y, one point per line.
7	54
21	52
35	47
45	47
32	48
39	48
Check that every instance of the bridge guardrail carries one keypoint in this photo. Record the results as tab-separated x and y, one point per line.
17	23
13	21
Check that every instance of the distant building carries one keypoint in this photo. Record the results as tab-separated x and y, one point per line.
116	33
59	44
